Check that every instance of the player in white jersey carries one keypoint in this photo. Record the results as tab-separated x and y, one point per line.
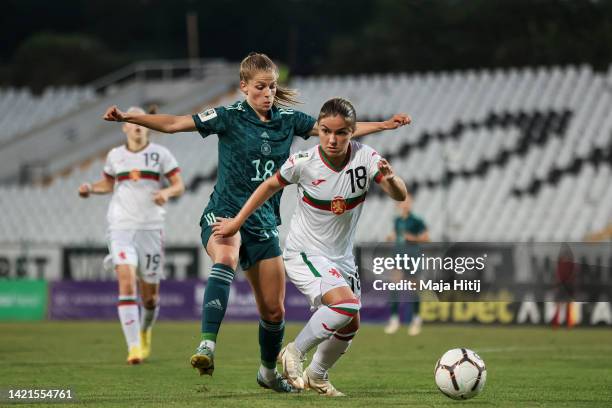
133	173
333	179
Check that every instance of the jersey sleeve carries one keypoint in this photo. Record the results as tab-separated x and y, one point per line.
373	160
291	170
211	121
169	165
109	170
420	226
303	124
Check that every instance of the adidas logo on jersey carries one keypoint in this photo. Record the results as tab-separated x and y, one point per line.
317	182
215	304
264	135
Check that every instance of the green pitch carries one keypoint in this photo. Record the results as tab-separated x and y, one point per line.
527	367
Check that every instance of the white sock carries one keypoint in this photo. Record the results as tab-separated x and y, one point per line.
149	316
268	374
128	316
209	344
329	352
324	322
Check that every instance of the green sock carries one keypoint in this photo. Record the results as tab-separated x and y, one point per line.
394	308
270	341
215	300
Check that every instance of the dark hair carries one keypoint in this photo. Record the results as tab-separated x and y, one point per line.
256	62
339	107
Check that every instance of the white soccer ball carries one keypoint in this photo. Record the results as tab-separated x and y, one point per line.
460	374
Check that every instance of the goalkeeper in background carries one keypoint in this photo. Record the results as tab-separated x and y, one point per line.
408	229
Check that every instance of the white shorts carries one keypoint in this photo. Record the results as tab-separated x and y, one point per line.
142	248
315	275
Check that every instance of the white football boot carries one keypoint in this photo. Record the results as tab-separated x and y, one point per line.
321	385
292	365
393	325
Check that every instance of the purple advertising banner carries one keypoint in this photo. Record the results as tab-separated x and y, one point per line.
180	300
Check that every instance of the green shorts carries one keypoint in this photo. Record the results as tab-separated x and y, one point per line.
254	246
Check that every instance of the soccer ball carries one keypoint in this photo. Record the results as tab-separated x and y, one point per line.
460	374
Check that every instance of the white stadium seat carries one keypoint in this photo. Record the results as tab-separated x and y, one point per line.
508	184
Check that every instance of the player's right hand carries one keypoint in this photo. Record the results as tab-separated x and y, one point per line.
113	114
84	190
385	168
225	227
397	120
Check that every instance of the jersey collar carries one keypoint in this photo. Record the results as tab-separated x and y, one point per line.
252	115
328	162
139	150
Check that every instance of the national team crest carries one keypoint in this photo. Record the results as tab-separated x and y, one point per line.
135	175
338	205
266	149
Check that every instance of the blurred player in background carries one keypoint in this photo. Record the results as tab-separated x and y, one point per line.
565	277
408	230
133	173
255	137
333	179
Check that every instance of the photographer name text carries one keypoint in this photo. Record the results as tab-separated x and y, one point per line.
428	285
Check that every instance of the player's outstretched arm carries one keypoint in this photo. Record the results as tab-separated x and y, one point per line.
226	227
161	123
391	183
366	128
104	186
396	121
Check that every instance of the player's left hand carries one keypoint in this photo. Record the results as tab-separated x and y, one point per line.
161	197
225	227
397	120
385	169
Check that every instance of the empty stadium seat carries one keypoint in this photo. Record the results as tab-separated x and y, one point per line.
493	155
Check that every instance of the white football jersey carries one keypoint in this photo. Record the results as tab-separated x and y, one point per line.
137	176
330	199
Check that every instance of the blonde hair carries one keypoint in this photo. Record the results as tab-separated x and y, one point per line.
256	62
140	111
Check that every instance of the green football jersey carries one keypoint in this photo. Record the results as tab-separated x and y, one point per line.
412	225
250	151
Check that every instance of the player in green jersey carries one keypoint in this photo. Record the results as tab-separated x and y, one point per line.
409	230
255	136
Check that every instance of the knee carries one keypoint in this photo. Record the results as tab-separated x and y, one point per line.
150	302
350	303
230	260
274	313
351	327
127	288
